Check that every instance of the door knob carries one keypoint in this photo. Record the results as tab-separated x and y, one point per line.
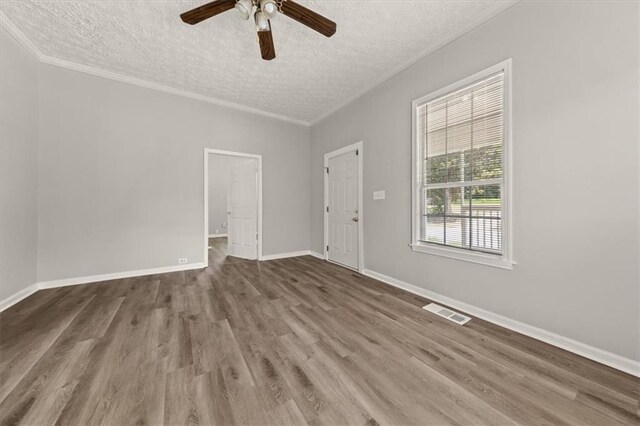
355	219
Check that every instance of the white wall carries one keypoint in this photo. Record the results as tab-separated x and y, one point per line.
18	167
219	184
121	175
575	140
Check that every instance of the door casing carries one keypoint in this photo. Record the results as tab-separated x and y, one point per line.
207	152
353	147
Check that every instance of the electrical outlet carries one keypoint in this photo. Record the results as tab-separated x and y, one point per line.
224	224
182	260
379	195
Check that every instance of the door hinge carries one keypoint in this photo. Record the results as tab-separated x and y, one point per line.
327	209
327	248
326	169
357	152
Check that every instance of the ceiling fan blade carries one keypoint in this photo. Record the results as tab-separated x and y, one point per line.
308	17
267	48
206	11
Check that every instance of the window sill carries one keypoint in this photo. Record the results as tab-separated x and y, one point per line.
467	256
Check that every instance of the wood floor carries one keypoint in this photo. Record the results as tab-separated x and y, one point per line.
283	342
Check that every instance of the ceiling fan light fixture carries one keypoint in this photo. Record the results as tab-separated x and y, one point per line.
262	23
245	7
269	8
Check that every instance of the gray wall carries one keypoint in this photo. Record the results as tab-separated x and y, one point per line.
575	140
219	184
121	175
18	167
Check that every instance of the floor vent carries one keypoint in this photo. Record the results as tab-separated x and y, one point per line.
447	313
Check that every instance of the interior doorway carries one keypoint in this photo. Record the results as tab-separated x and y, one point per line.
343	226
232	205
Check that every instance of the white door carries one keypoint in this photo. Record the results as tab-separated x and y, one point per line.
343	209
242	232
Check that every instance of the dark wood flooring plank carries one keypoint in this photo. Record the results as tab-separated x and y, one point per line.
213	399
180	406
142	397
287	414
174	339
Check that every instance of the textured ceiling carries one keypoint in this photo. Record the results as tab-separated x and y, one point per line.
219	58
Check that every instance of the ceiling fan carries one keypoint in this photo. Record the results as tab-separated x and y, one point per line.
265	10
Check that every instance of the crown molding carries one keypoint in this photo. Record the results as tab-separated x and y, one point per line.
73	66
22	39
473	24
19	36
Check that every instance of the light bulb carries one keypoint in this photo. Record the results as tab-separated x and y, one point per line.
269	8
262	23
245	7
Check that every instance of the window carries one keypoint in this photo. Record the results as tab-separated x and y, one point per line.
461	169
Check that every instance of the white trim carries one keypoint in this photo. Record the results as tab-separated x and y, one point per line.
507	158
217	235
207	152
599	355
17	297
461	31
286	255
316	254
23	294
359	146
166	89
61	63
480	258
505	260
19	36
118	275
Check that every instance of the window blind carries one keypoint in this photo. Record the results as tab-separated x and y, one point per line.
460	137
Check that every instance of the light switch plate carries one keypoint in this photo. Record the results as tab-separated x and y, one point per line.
379	195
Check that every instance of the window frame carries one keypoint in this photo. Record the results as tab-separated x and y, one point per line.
505	260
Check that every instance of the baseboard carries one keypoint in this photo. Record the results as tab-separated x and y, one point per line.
217	235
285	255
316	254
15	298
118	275
599	355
